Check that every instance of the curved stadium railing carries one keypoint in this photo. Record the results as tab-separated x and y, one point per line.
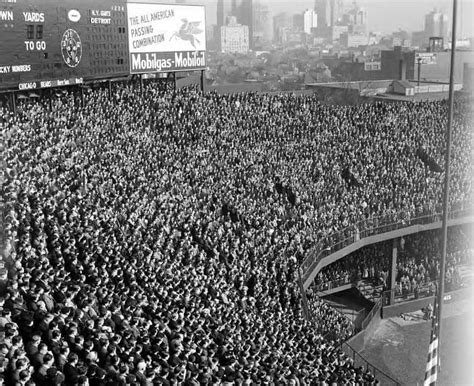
363	229
374	226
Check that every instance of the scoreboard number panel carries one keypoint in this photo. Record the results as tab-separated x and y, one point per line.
46	43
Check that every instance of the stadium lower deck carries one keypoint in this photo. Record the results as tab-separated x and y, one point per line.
154	236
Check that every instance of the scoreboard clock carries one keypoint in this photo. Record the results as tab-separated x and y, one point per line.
71	48
46	43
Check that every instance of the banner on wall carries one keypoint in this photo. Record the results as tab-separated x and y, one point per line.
166	37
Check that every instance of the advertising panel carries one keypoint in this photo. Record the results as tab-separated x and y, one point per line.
166	37
47	44
425	57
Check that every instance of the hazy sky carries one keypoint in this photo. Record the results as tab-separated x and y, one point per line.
383	15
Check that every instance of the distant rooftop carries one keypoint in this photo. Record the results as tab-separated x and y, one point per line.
356	85
426	96
405	83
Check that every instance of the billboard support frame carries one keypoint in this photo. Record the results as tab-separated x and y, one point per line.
13	101
50	98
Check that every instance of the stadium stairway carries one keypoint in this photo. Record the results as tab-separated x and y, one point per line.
351	303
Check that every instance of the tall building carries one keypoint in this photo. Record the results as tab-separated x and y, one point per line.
337	10
310	20
224	9
234	37
356	20
262	31
245	17
281	21
436	24
323	10
329	12
361	16
298	22
235	9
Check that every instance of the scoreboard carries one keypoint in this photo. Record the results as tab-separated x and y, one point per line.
48	43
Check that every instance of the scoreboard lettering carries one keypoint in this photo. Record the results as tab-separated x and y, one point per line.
34	17
100	17
6	15
46	42
49	83
9	69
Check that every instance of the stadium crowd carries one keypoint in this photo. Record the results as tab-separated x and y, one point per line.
154	237
417	263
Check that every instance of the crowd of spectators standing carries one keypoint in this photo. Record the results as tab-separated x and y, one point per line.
418	260
154	237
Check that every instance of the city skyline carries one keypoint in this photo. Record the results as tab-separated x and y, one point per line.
383	15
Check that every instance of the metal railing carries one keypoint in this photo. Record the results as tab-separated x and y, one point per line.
376	293
422	291
359	360
374	226
330	284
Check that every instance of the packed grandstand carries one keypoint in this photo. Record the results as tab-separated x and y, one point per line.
417	264
154	236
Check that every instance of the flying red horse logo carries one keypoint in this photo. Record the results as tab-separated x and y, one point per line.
188	32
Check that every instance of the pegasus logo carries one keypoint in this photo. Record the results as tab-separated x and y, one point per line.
188	32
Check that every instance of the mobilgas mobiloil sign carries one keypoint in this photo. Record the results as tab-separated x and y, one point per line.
167	61
166	37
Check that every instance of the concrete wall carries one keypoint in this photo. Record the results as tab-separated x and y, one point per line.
433	87
236	88
358	341
349	92
468	77
440	70
398	64
416	305
336	289
399	88
355	71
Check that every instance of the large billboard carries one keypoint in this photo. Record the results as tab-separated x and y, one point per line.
166	37
46	43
